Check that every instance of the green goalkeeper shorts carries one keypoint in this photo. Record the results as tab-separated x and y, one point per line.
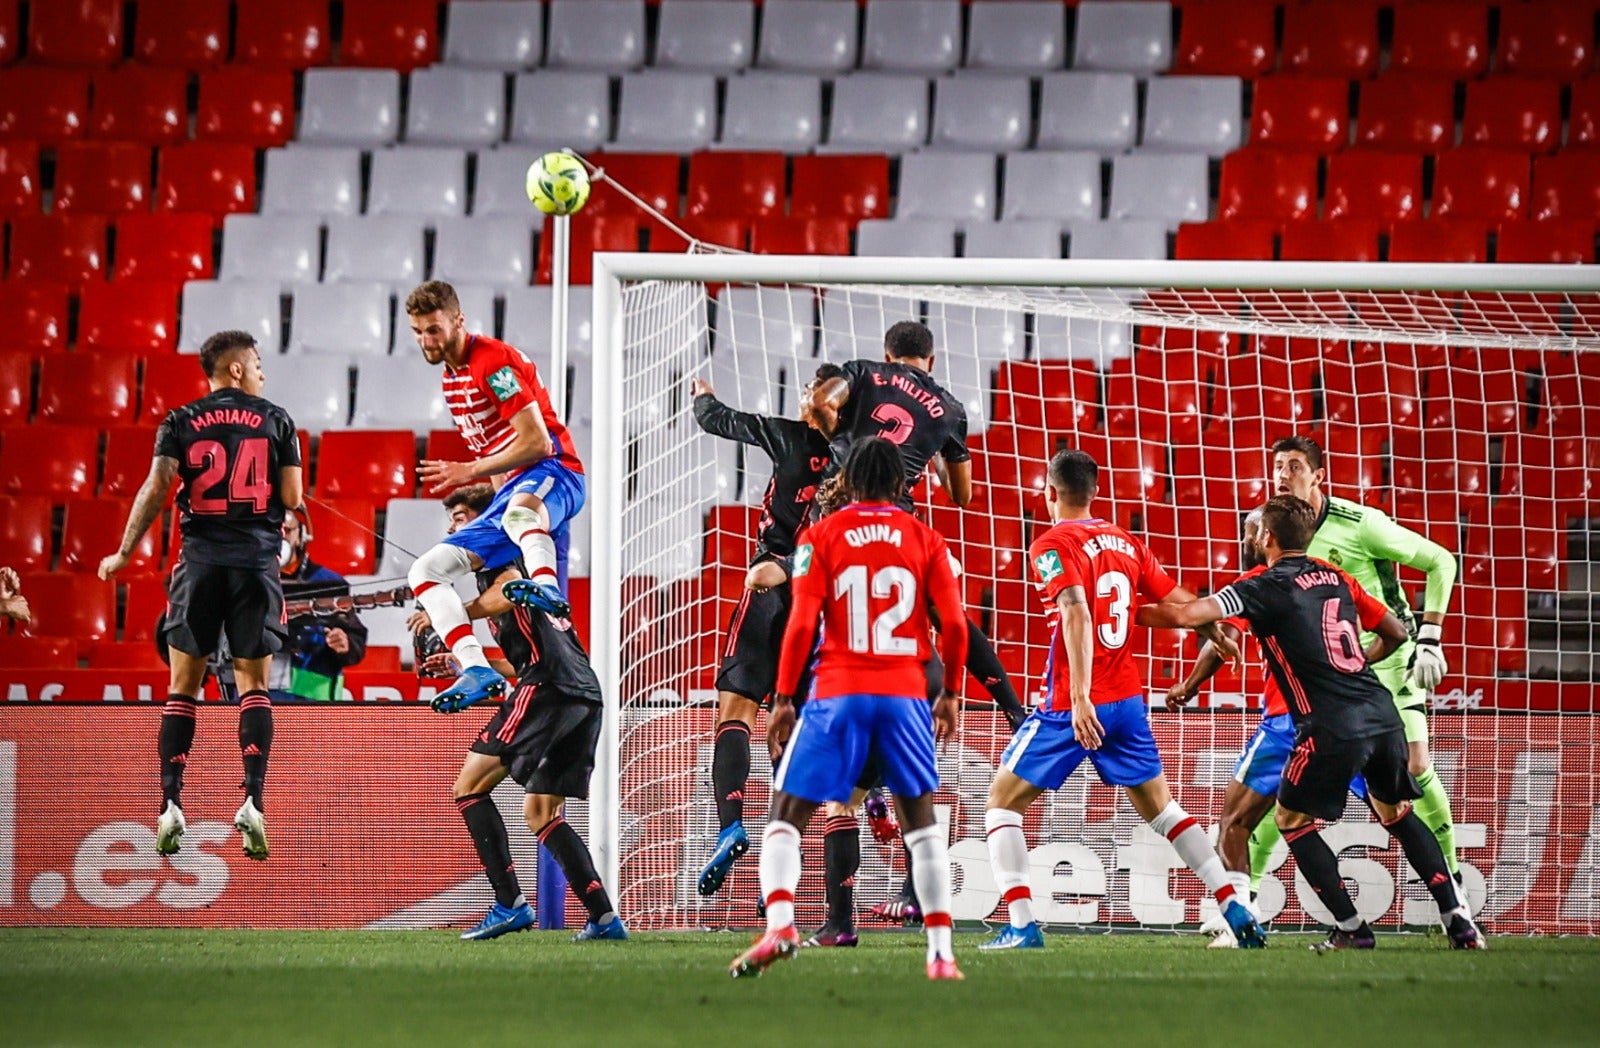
1412	704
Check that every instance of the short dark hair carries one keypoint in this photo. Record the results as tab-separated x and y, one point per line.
1291	520
1305	445
909	339
475	497
431	296
874	471
826	372
216	348
1075	475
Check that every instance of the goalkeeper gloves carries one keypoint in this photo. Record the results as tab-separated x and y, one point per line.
1428	666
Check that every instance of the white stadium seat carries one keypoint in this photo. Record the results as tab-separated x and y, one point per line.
410	524
914	35
1128	238
282	248
817	36
1020	238
705	34
341	318
1130	35
879	112
560	108
1170	187
399	393
947	185
773	111
507	35
350	107
495	250
1098	111
419	180
1019	35
1082	338
596	34
528	323
312	182
990	113
502	175
375	247
907	237
666	112
1047	184
456	107
854	322
1194	114
317	393
210	306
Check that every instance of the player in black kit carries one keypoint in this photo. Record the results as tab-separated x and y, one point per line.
1309	617
544	736
238	463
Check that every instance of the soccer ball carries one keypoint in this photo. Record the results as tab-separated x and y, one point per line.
558	184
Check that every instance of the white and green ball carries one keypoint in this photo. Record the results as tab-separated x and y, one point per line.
558	184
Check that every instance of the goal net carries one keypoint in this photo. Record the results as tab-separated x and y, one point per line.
1462	401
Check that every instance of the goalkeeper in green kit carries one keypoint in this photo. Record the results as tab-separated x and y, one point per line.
1367	545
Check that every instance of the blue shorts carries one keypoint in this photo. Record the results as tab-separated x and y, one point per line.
560	489
833	737
1044	751
1260	766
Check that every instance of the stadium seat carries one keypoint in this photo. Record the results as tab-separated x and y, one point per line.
404	393
1016	37
1301	112
1483	184
507	36
345	532
93	528
144	605
375	247
284	249
40	312
799	235
102	178
766	110
988	112
410	526
1583	118
212	177
1512	113
1485	387
353	318
1227	39
598	233
1083	338
736	185
170	381
1439	240
166	248
210	306
71	605
67	249
19	178
879	112
527	323
390	34
283	34
907	237
851	322
456	107
556	108
1019	238
488	250
81	33
1406	113
705	35
1268	184
52	461
730	535
130	448
314	182
238	104
1168	188
1051	185
809	35
1566	242
107	401
913	35
429	181
1091	111
319	397
140	105
666	111
182	34
959	186
1124	36
1196	114
46	105
25	533
10	30
1347	240
143	656
1331	39
754	323
653	177
1386	187
1131	238
1045	396
852	187
350	107
38	653
1244	240
367	464
130	317
721	232
16	387
1567	187
1444	38
596	34
1547	38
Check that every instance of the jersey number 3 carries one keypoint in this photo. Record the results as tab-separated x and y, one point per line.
851	587
247	479
1117	586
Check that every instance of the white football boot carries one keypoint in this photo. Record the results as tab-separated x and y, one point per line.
169	829
252	826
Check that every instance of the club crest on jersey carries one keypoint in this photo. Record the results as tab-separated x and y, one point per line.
504	385
802	560
1335	558
1048	565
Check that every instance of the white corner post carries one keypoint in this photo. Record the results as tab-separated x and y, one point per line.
560	292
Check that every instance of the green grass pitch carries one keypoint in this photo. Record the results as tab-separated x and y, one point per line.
86	987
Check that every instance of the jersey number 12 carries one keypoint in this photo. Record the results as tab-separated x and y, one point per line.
851	587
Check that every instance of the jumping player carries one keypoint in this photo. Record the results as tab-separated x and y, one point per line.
1094	704
870	572
1309	616
503	411
237	461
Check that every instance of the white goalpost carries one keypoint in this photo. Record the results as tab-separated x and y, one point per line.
1462	400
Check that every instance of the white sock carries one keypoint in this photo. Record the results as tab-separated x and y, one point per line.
430	577
1349	924
1241	889
1184	831
1008	857
530	530
780	872
930	872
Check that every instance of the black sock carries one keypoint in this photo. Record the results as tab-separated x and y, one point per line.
1426	857
177	735
488	832
841	858
573	855
1320	868
985	665
255	741
730	770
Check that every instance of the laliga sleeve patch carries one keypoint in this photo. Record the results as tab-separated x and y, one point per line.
802	560
504	385
1048	565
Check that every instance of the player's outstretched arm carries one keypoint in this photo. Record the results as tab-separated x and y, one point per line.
1208	631
1173	616
720	420
1387	540
1206	666
146	507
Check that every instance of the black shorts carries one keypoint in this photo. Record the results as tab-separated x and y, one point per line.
755	636
548	745
1318	773
205	601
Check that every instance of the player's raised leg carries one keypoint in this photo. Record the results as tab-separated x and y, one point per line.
432	578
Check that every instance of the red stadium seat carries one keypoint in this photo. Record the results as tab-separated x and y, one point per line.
1146	401
1301	112
1047	395
1386	187
1369	388
133	317
1227	39
1567	186
101	178
378	464
1138	470
240	104
19	178
1571	395
1408	114
16	387
1445	38
10	29
75	32
129	450
598	233
142	655
1010	457
166	248
1347	240
722	232
141	105
66	249
845	186
1488	387
446	445
652	177
186	34
77	606
1267	393
170	381
730	535
210	177
1244	239
283	34
1486	184
390	34
39	312
1014	621
88	389
38	653
736	185
344	539
1331	39
799	235
144	604
1268	184
1511	113
93	528
47	105
1567	242
1583	118
1554	39
1439	240
55	461
25	533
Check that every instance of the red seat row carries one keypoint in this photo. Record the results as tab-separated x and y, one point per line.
115	178
126	316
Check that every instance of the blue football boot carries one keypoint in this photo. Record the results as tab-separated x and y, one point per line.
476	684
1247	931
1009	938
539	596
731	843
502	920
612	929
